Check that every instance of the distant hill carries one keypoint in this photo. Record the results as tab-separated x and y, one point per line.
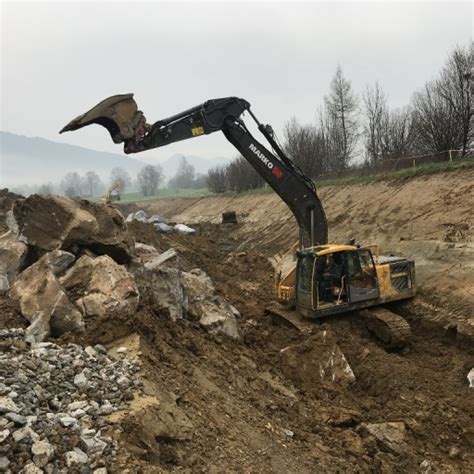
27	160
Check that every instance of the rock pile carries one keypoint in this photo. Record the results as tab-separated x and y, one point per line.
54	401
66	263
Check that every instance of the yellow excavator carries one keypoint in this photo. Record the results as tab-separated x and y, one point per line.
113	193
317	280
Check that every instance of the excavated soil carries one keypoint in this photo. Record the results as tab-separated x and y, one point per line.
230	403
215	404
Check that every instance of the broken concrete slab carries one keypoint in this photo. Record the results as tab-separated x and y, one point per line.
102	288
12	258
43	301
56	222
317	360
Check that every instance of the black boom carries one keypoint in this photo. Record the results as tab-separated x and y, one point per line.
286	179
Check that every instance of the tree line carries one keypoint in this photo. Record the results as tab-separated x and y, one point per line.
352	128
148	181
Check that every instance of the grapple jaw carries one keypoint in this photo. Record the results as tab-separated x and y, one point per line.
119	114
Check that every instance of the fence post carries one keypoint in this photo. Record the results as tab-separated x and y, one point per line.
450	156
414	163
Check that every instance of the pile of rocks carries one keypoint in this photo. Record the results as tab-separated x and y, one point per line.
66	263
54	401
159	223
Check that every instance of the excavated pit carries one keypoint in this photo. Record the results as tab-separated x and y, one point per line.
216	404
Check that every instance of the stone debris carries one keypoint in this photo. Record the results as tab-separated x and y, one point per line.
160	259
184	229
43	300
187	295
12	257
139	216
104	287
57	222
470	378
390	436
155	218
317	359
51	423
163	227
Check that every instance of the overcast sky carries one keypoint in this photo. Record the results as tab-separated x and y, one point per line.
60	59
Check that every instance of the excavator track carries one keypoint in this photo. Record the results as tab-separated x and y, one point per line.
393	330
289	317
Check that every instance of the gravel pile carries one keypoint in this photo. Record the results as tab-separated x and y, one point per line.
54	401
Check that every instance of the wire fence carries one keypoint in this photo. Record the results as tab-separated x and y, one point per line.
396	164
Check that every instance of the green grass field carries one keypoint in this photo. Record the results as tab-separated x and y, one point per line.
406	173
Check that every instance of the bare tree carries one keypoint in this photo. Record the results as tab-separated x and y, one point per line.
71	184
46	188
216	180
376	117
241	176
397	133
92	183
455	88
119	174
304	144
436	125
341	121
184	177
149	178
442	110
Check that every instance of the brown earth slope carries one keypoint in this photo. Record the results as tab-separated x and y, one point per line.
429	219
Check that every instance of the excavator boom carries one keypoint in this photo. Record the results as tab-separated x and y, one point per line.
123	120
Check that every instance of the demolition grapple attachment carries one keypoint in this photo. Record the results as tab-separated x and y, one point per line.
119	114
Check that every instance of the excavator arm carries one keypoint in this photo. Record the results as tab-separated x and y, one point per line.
123	120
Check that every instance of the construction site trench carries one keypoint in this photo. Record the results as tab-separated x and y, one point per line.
190	394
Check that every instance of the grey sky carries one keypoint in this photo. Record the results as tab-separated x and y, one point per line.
59	59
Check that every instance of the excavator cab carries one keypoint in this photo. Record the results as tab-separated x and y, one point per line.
331	278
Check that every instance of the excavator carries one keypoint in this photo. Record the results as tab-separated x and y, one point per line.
113	193
320	279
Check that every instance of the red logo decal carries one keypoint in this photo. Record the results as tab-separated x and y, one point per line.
277	172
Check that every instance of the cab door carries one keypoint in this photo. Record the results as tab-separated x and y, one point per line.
362	282
305	287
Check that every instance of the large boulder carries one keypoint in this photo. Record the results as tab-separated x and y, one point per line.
214	313
12	257
42	299
101	288
317	361
187	295
57	222
7	199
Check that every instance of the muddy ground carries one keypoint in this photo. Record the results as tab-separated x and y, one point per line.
233	400
221	405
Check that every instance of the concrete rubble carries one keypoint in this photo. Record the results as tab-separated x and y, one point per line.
48	423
